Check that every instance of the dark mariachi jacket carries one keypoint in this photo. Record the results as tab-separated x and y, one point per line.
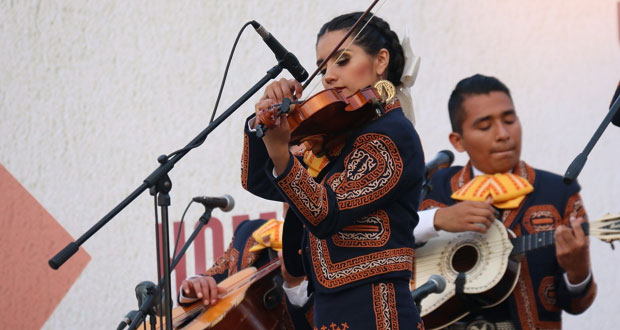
541	293
354	221
238	256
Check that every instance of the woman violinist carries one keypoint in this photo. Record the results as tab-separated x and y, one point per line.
350	223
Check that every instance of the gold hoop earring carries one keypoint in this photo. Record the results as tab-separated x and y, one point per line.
386	89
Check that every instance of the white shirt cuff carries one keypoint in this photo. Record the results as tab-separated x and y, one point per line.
186	300
425	230
252	124
298	296
577	288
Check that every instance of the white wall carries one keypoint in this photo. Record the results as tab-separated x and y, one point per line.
92	92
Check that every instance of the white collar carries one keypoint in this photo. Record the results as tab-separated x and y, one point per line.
477	172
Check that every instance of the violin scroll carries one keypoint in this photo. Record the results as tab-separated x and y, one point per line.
270	117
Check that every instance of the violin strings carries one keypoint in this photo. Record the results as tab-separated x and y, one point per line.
251	278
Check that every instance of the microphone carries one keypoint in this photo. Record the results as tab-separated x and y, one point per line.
435	284
226	202
143	290
616	119
443	159
284	57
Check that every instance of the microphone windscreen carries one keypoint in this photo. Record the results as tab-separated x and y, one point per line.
440	280
231	203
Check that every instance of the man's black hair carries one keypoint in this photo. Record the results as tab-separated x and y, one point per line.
474	85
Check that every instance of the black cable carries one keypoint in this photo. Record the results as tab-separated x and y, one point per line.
219	95
232	51
176	243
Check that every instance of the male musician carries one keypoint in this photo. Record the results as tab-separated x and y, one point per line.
254	244
486	126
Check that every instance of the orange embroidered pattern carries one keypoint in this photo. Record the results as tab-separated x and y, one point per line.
431	204
370	231
371	171
332	275
540	218
248	257
574	207
334	326
228	261
547	294
307	195
245	162
384	305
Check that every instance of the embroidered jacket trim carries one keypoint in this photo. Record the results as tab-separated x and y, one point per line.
334	274
384	305
372	170
227	262
370	231
307	195
249	257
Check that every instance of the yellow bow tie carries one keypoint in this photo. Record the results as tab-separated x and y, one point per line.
315	164
507	190
268	235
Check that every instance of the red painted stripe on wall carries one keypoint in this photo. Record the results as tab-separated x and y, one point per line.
30	290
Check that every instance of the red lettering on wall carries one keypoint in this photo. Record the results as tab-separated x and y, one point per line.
180	271
268	215
238	219
200	243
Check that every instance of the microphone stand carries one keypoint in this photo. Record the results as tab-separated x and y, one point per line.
426	188
580	161
159	177
160	190
148	303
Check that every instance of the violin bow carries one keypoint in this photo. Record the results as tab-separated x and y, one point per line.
331	54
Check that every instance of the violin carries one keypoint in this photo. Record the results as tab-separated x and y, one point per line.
328	112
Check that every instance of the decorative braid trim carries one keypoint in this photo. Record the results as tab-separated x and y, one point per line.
384	305
334	274
308	196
